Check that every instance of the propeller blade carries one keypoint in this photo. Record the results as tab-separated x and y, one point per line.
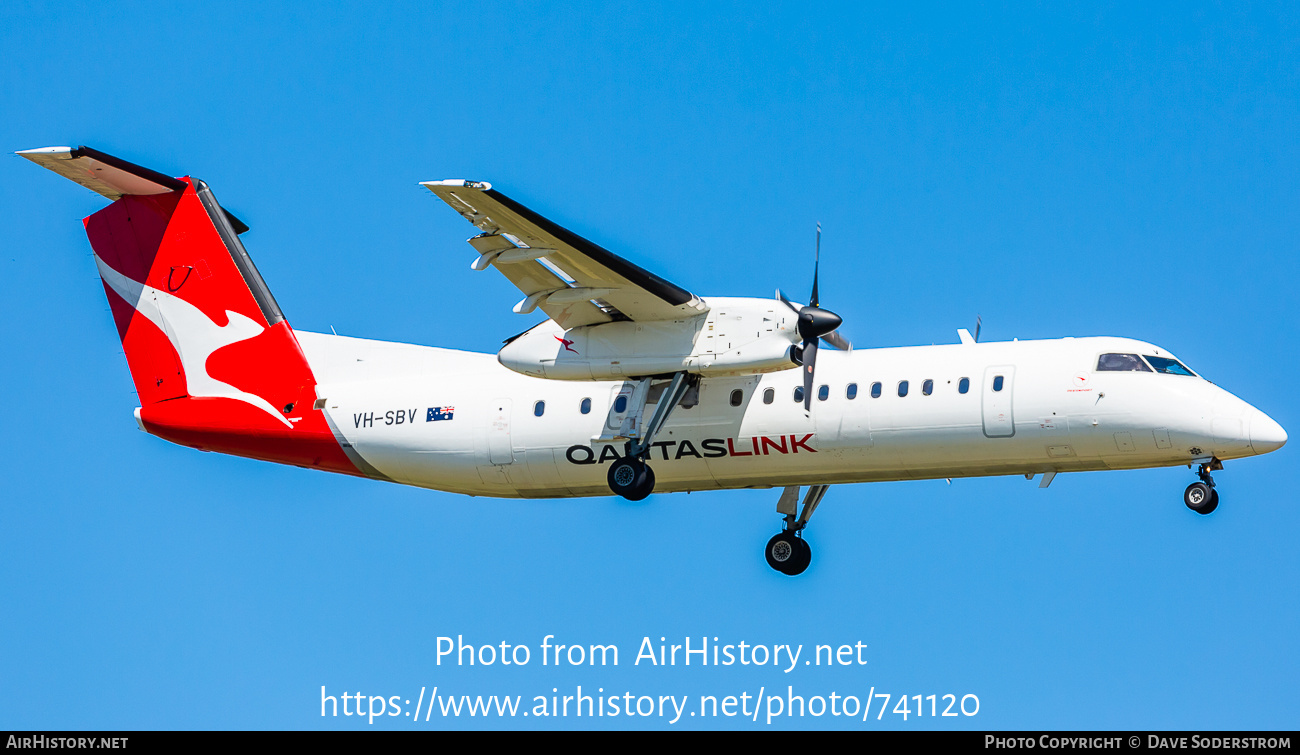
838	341
786	301
813	302
815	323
809	365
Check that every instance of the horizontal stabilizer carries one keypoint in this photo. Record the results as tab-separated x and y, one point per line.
104	174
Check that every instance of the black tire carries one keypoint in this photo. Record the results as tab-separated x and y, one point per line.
1212	505
803	557
631	478
781	551
1200	498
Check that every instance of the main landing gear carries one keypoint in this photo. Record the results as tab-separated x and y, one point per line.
1201	497
788	552
630	476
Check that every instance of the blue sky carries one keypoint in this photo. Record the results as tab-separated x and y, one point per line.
1083	170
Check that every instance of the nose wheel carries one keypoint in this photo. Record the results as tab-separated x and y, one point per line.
1201	497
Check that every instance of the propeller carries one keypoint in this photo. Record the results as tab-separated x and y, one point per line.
814	323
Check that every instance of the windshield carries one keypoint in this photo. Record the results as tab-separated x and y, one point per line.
1121	363
1169	366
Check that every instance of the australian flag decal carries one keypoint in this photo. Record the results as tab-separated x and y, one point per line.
439	412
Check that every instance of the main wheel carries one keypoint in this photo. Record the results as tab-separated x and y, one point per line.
631	478
1200	498
803	557
784	553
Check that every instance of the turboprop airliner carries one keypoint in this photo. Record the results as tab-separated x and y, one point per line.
631	384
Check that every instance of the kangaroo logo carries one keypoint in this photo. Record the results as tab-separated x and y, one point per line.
193	334
568	344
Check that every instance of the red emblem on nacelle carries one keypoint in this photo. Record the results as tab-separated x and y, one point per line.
568	344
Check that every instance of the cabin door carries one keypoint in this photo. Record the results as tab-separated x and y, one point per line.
499	449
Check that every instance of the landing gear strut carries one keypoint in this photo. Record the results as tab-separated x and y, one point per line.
1201	497
630	476
788	552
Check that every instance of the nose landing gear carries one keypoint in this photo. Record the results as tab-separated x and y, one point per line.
787	551
1201	497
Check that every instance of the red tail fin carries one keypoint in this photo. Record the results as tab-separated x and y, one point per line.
215	363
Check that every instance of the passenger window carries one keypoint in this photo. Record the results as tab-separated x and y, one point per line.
823	393
851	392
875	390
737	396
539	408
1121	363
798	394
768	396
902	388
586	406
927	387
997	383
620	404
963	385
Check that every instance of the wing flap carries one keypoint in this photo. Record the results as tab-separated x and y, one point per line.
537	282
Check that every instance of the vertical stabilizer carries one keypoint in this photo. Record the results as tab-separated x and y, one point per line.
213	359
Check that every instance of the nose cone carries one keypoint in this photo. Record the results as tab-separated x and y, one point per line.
1265	434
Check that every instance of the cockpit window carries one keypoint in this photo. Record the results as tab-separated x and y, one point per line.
1121	363
1169	366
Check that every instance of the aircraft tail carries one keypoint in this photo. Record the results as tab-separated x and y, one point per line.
214	361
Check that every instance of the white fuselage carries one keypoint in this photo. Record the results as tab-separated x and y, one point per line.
461	422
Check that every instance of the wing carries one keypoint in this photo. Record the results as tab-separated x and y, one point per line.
572	280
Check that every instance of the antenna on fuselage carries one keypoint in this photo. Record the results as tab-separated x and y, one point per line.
978	323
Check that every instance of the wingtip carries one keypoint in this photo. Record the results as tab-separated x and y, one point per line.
39	151
483	185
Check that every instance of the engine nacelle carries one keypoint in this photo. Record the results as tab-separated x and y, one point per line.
735	337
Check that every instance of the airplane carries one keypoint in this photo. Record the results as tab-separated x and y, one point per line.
631	384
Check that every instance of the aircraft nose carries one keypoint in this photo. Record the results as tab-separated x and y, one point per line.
1265	434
